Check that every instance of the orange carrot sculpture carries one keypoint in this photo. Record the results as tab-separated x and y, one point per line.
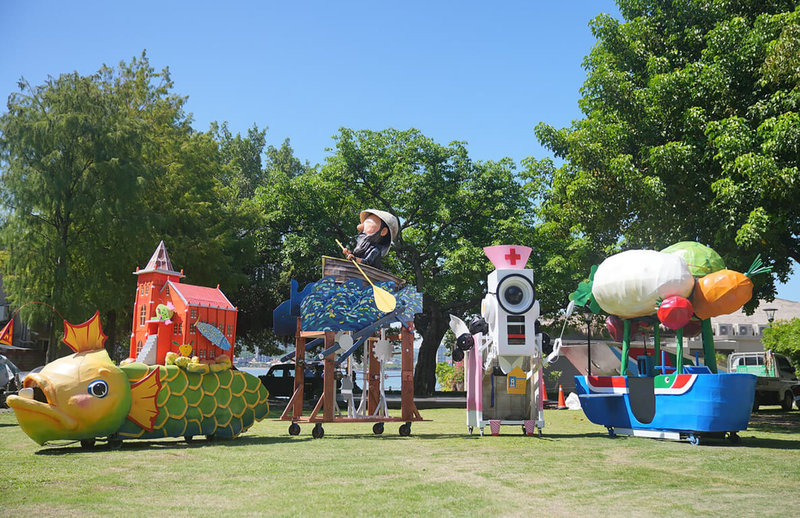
725	291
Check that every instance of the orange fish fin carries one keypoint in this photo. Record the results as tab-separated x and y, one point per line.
85	337
144	392
7	334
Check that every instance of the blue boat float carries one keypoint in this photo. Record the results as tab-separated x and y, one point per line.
686	406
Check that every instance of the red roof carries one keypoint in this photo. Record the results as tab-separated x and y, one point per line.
202	296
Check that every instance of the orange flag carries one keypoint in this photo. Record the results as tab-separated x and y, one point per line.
7	334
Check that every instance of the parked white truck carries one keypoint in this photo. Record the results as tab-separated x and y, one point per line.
777	382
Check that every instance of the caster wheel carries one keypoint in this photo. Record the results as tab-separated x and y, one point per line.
470	429
377	428
294	429
405	430
115	444
694	440
87	444
318	432
611	432
734	438
188	438
210	438
539	432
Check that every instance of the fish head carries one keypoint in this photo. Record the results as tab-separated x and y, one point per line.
80	396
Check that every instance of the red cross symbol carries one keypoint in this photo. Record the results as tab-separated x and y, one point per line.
512	257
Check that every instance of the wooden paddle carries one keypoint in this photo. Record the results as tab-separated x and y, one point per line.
384	300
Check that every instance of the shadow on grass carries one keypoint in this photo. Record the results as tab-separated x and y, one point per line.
775	421
770	443
175	444
707	441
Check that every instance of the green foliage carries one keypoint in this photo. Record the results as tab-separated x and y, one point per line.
783	337
553	376
691	132
444	375
95	170
449	376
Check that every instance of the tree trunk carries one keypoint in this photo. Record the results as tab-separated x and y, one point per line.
432	325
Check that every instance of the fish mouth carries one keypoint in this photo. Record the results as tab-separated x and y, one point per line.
36	409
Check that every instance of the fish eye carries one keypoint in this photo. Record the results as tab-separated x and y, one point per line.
98	388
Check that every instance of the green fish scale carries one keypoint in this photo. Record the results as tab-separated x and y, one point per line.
223	404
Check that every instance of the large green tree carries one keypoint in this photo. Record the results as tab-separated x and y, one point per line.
784	337
250	167
94	170
691	131
449	207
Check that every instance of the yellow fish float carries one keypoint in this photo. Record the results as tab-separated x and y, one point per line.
85	396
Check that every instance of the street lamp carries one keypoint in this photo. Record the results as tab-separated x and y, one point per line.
770	314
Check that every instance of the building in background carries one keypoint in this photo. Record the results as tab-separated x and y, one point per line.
740	333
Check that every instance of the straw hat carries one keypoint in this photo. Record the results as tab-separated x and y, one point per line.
389	219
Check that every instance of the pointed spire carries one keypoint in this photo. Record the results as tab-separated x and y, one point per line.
159	262
160	259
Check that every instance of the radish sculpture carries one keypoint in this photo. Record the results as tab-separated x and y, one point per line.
681	286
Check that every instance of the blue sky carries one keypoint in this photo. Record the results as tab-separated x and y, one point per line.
476	71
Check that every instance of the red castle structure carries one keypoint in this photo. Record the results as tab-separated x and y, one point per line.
154	336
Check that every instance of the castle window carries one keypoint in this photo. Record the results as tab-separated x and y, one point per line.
230	329
177	330
141	290
194	313
166	290
138	347
202	354
142	314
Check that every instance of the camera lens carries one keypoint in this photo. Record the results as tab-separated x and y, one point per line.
513	295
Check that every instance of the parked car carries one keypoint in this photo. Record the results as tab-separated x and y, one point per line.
279	380
9	379
777	382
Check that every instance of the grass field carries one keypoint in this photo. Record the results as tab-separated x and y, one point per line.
575	469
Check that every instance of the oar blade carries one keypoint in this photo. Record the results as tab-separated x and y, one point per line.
384	300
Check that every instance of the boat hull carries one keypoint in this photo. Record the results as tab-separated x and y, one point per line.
687	403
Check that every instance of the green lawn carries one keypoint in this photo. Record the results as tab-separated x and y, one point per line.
575	469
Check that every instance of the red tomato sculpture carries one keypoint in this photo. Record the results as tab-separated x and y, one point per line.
615	327
675	312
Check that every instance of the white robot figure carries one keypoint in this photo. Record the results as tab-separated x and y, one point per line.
504	356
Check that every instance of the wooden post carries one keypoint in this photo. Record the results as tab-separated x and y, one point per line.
329	380
374	374
408	409
299	371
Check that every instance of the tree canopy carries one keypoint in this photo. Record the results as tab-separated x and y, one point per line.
784	337
690	132
449	207
95	170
